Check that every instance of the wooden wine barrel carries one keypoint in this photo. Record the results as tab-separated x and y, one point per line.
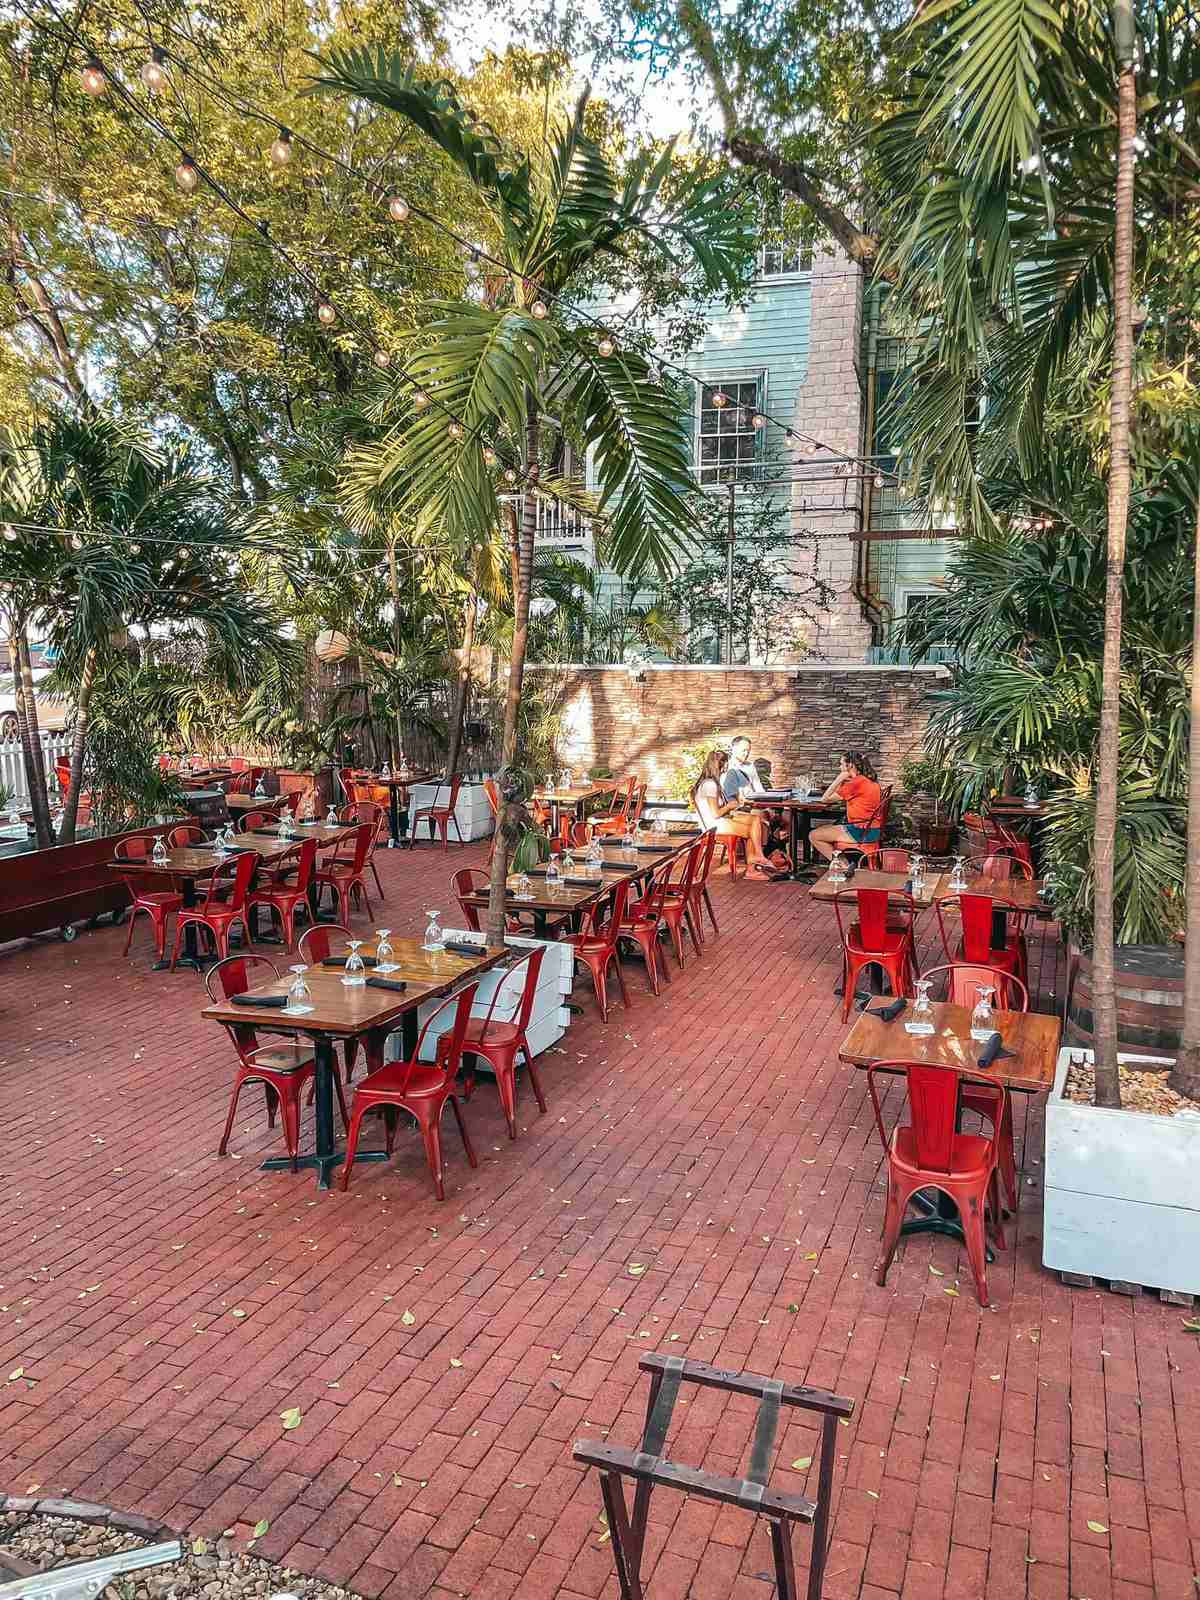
1149	998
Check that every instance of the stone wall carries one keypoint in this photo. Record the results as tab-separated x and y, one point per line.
799	718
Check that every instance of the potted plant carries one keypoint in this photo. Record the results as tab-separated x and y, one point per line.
923	779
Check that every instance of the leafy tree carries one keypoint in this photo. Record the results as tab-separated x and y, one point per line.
508	364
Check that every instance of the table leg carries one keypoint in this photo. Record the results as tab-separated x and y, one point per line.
393	818
191	945
326	1154
408	1034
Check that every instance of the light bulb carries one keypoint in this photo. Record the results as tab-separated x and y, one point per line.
489	456
381	359
606	346
420	400
10	533
187	175
182	553
879	480
281	148
153	73
455	430
810	447
93	79
538	309
76	542
510	475
720	400
326	314
758	422
398	208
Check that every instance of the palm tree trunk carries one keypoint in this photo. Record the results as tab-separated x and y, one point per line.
1185	1077
1108	1084
460	698
83	700
509	822
31	738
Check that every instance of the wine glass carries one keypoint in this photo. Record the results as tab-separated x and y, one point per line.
331	817
260	789
921	1021
568	861
837	868
384	952
434	939
285	824
565	777
595	850
299	994
916	871
553	876
159	854
355	975
1031	796
403	765
958	878
523	887
983	1018
385	772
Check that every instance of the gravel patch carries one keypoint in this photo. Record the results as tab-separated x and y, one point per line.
222	1570
1140	1091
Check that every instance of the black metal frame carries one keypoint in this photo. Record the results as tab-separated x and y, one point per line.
649	1468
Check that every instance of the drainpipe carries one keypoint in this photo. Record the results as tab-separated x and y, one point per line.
867	600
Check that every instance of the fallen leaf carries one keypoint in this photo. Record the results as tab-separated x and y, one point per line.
811	1256
455	1362
802	1465
15	1374
635	1269
937	1272
397	1479
554	1356
1098	1527
291	1418
1192	1325
261	1527
237	1312
953	1292
793	1307
407	1319
873	1495
199	1547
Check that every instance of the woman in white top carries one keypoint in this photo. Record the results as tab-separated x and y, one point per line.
727	817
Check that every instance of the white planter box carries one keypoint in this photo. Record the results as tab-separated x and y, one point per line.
547	1022
472	812
1122	1201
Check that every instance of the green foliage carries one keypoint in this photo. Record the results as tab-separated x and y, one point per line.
121	770
691	759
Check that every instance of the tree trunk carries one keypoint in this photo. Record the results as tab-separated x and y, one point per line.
463	692
1185	1077
509	821
31	738
1108	1084
83	700
396	731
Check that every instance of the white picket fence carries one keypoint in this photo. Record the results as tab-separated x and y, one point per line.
12	762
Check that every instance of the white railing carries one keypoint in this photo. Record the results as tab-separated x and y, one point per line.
12	762
559	524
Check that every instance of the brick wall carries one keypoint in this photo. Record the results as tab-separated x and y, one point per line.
800	719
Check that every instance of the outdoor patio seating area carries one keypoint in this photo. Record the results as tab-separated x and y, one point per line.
706	1180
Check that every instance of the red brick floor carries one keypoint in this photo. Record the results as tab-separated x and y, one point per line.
445	1356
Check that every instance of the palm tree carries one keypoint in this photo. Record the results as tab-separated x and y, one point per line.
1185	1076
118	535
518	374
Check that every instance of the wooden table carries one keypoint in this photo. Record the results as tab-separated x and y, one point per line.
1022	893
573	799
893	882
240	803
800	815
342	1012
396	785
1010	806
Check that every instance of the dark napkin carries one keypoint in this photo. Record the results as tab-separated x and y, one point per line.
340	961
583	881
386	983
535	872
653	849
994	1050
466	949
264	1000
887	1013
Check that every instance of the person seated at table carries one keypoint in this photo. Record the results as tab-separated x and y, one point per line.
741	773
857	786
727	817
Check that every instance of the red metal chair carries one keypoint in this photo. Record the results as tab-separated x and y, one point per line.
345	877
597	946
316	944
284	1069
1001	867
240	783
440	817
364	811
929	1153
644	922
618	816
186	834
733	851
499	1043
962	989
678	906
217	914
469	880
881	935
419	1087
157	904
284	894
1012	841
701	900
876	858
257	822
977	920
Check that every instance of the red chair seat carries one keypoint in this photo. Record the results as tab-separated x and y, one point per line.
480	1031
890	942
971	1154
395	1076
162	900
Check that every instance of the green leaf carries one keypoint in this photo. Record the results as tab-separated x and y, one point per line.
260	1528
291	1418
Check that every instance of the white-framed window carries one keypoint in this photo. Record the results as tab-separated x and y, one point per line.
784	258
728	445
912	599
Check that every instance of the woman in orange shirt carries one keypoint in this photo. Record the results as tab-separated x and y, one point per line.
856	785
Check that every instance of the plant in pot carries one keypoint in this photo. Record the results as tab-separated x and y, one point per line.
925	781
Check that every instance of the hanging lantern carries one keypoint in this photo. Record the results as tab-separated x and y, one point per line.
187	175
330	646
398	208
93	79
281	148
153	73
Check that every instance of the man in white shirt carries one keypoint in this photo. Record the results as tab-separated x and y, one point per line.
741	773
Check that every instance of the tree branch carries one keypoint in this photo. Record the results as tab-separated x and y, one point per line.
790	175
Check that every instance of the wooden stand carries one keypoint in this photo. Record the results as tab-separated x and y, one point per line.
648	1468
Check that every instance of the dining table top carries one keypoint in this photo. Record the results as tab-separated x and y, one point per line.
575	795
323	832
252	802
1023	893
619	865
344	1010
398	780
199	861
893	882
790	802
1031	1035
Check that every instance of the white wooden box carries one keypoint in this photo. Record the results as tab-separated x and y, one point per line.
549	1019
473	814
1122	1201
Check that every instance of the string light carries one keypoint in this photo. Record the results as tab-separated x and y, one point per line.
455	430
758	422
93	79
282	148
10	533
720	400
878	480
153	73
187	175
398	208
490	457
326	315
539	310
606	346
510	475
381	358
420	399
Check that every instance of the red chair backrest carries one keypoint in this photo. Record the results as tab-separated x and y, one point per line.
316	942
235	975
874	907
686	866
291	800
618	806
963	982
877	859
492	795
306	863
1000	866
933	1108
363	835
532	963
239	784
452	802
607	930
184	835
447	1062
651	904
346	779
975	911
137	848
253	821
462	883
708	848
238	872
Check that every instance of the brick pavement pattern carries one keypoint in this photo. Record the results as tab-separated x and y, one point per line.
166	1306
